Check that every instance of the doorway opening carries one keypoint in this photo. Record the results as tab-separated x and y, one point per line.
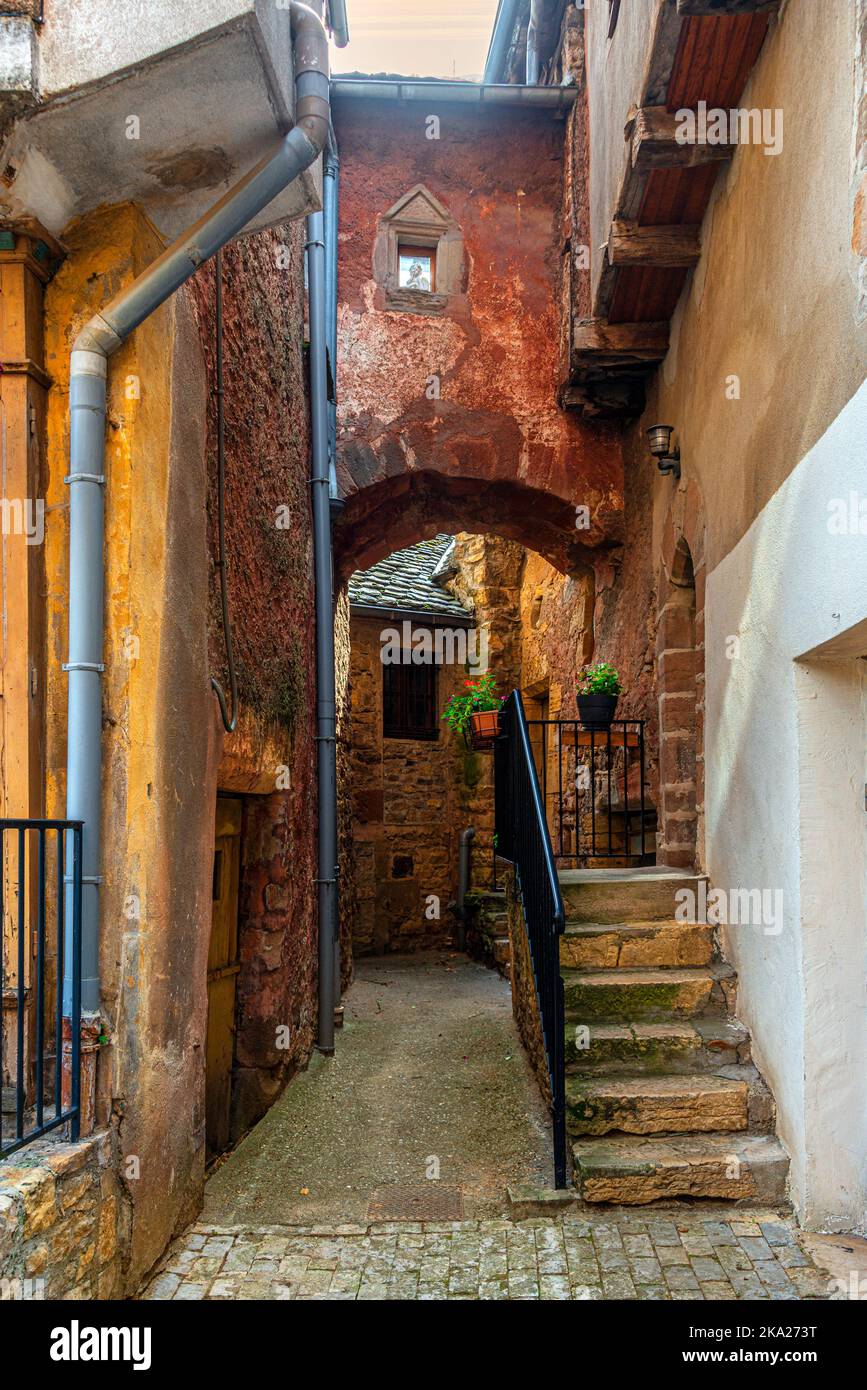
224	966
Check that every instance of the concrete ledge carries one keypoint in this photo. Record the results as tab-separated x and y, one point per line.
526	1200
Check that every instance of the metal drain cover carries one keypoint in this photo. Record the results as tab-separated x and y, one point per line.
425	1201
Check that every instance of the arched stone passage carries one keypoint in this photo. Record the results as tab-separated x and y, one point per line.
399	511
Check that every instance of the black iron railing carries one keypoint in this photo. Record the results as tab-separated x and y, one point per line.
593	790
40	978
522	837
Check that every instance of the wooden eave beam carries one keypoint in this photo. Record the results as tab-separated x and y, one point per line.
655	144
668	248
595	342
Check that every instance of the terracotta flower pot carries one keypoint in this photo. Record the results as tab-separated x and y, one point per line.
484	726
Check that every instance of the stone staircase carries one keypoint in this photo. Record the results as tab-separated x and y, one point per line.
487	929
662	1098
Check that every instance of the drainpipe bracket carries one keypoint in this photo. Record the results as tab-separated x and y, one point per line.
83	666
85	478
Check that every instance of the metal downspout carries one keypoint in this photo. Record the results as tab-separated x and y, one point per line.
467	837
330	200
326	708
339	22
501	39
100	337
533	45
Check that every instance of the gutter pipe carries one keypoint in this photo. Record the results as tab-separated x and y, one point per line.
100	337
533	44
467	837
466	93
326	707
339	22
501	39
330	202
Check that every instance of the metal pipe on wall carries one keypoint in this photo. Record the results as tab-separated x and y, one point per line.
533	44
326	706
100	337
501	39
330	200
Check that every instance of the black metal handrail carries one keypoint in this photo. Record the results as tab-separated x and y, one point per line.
522	837
34	917
585	772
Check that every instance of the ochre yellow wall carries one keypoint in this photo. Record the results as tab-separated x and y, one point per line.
159	745
774	299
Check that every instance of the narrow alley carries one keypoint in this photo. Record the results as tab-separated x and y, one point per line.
385	1172
429	1093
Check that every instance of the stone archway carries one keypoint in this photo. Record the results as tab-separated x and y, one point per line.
398	511
680	683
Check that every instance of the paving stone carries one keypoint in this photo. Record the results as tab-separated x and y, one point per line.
672	1255
618	1284
618	1256
772	1275
639	1246
775	1233
756	1247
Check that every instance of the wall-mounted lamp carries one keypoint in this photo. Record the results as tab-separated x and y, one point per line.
667	461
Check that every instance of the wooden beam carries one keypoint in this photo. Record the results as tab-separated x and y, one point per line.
655	144
666	247
716	7
601	343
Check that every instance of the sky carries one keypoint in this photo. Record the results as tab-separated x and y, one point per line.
417	38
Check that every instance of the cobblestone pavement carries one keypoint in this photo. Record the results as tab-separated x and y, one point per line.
663	1254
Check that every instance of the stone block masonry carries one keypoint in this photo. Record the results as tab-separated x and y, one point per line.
64	1222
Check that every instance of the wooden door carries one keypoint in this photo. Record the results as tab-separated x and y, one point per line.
223	968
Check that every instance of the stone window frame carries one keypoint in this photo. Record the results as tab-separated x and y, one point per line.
436	229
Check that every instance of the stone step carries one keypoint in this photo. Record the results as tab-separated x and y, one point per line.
607	946
735	1167
629	996
656	1104
624	895
701	1044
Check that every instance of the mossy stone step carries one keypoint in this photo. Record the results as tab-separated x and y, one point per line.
633	1171
656	945
655	1104
686	1046
629	996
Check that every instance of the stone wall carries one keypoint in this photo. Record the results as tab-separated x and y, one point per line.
64	1222
525	1000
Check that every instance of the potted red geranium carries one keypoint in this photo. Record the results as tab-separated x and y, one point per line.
475	711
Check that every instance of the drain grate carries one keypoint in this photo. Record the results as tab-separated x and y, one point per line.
426	1201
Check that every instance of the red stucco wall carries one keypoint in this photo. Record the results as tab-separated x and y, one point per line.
494	453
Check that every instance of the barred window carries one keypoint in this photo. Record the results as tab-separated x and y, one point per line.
409	702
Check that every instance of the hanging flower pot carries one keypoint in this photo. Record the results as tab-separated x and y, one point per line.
484	727
598	691
475	712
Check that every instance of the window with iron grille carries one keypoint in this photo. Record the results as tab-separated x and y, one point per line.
409	702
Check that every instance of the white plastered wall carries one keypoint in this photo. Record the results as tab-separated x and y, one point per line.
785	754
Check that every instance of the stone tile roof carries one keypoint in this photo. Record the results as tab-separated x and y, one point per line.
405	580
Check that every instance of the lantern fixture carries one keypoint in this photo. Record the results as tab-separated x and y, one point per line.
667	460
